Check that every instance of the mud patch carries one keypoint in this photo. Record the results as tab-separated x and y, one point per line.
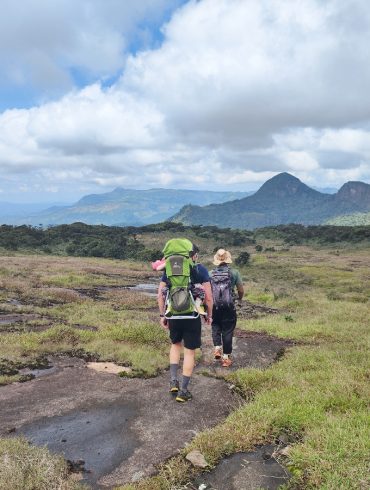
108	367
245	471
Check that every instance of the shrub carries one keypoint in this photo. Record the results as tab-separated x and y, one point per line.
243	258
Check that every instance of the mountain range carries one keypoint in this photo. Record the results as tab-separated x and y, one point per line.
122	207
282	199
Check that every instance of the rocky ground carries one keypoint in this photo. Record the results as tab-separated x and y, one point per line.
116	430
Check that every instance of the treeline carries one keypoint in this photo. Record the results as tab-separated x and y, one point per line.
321	234
79	239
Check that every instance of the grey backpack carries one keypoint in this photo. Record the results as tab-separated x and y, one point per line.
221	287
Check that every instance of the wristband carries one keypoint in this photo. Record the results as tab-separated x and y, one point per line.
161	316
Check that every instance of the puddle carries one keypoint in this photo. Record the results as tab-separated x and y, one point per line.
245	471
149	289
15	302
100	436
37	373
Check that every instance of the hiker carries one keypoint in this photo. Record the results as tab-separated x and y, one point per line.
185	330
223	283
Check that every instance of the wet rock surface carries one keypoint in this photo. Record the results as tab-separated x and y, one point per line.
245	471
101	435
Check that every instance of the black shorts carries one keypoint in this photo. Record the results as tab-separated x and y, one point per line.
188	331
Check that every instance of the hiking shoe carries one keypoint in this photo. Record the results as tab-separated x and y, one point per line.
174	386
226	362
183	396
217	353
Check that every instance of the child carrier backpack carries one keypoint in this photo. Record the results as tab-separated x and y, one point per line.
179	300
221	288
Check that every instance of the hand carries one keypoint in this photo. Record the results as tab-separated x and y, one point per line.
163	322
209	320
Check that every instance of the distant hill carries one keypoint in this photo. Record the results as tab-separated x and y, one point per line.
9	210
125	207
281	200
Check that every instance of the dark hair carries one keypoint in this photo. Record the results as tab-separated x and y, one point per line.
194	251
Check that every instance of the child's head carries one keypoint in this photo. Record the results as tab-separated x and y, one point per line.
193	254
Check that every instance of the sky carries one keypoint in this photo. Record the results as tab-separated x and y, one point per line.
208	94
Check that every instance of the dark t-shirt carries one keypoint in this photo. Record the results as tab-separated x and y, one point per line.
199	274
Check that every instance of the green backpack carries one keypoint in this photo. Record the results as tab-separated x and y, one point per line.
179	299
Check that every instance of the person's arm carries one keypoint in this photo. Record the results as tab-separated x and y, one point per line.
161	304
208	301
240	289
239	286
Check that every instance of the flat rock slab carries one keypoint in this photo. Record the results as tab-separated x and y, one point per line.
135	424
245	471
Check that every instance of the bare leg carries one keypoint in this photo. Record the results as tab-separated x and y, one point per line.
189	362
175	353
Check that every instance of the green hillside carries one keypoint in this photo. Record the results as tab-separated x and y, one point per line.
355	219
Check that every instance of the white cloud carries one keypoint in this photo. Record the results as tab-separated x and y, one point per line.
41	42
300	160
238	91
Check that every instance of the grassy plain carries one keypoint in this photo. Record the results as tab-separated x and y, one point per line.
315	398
